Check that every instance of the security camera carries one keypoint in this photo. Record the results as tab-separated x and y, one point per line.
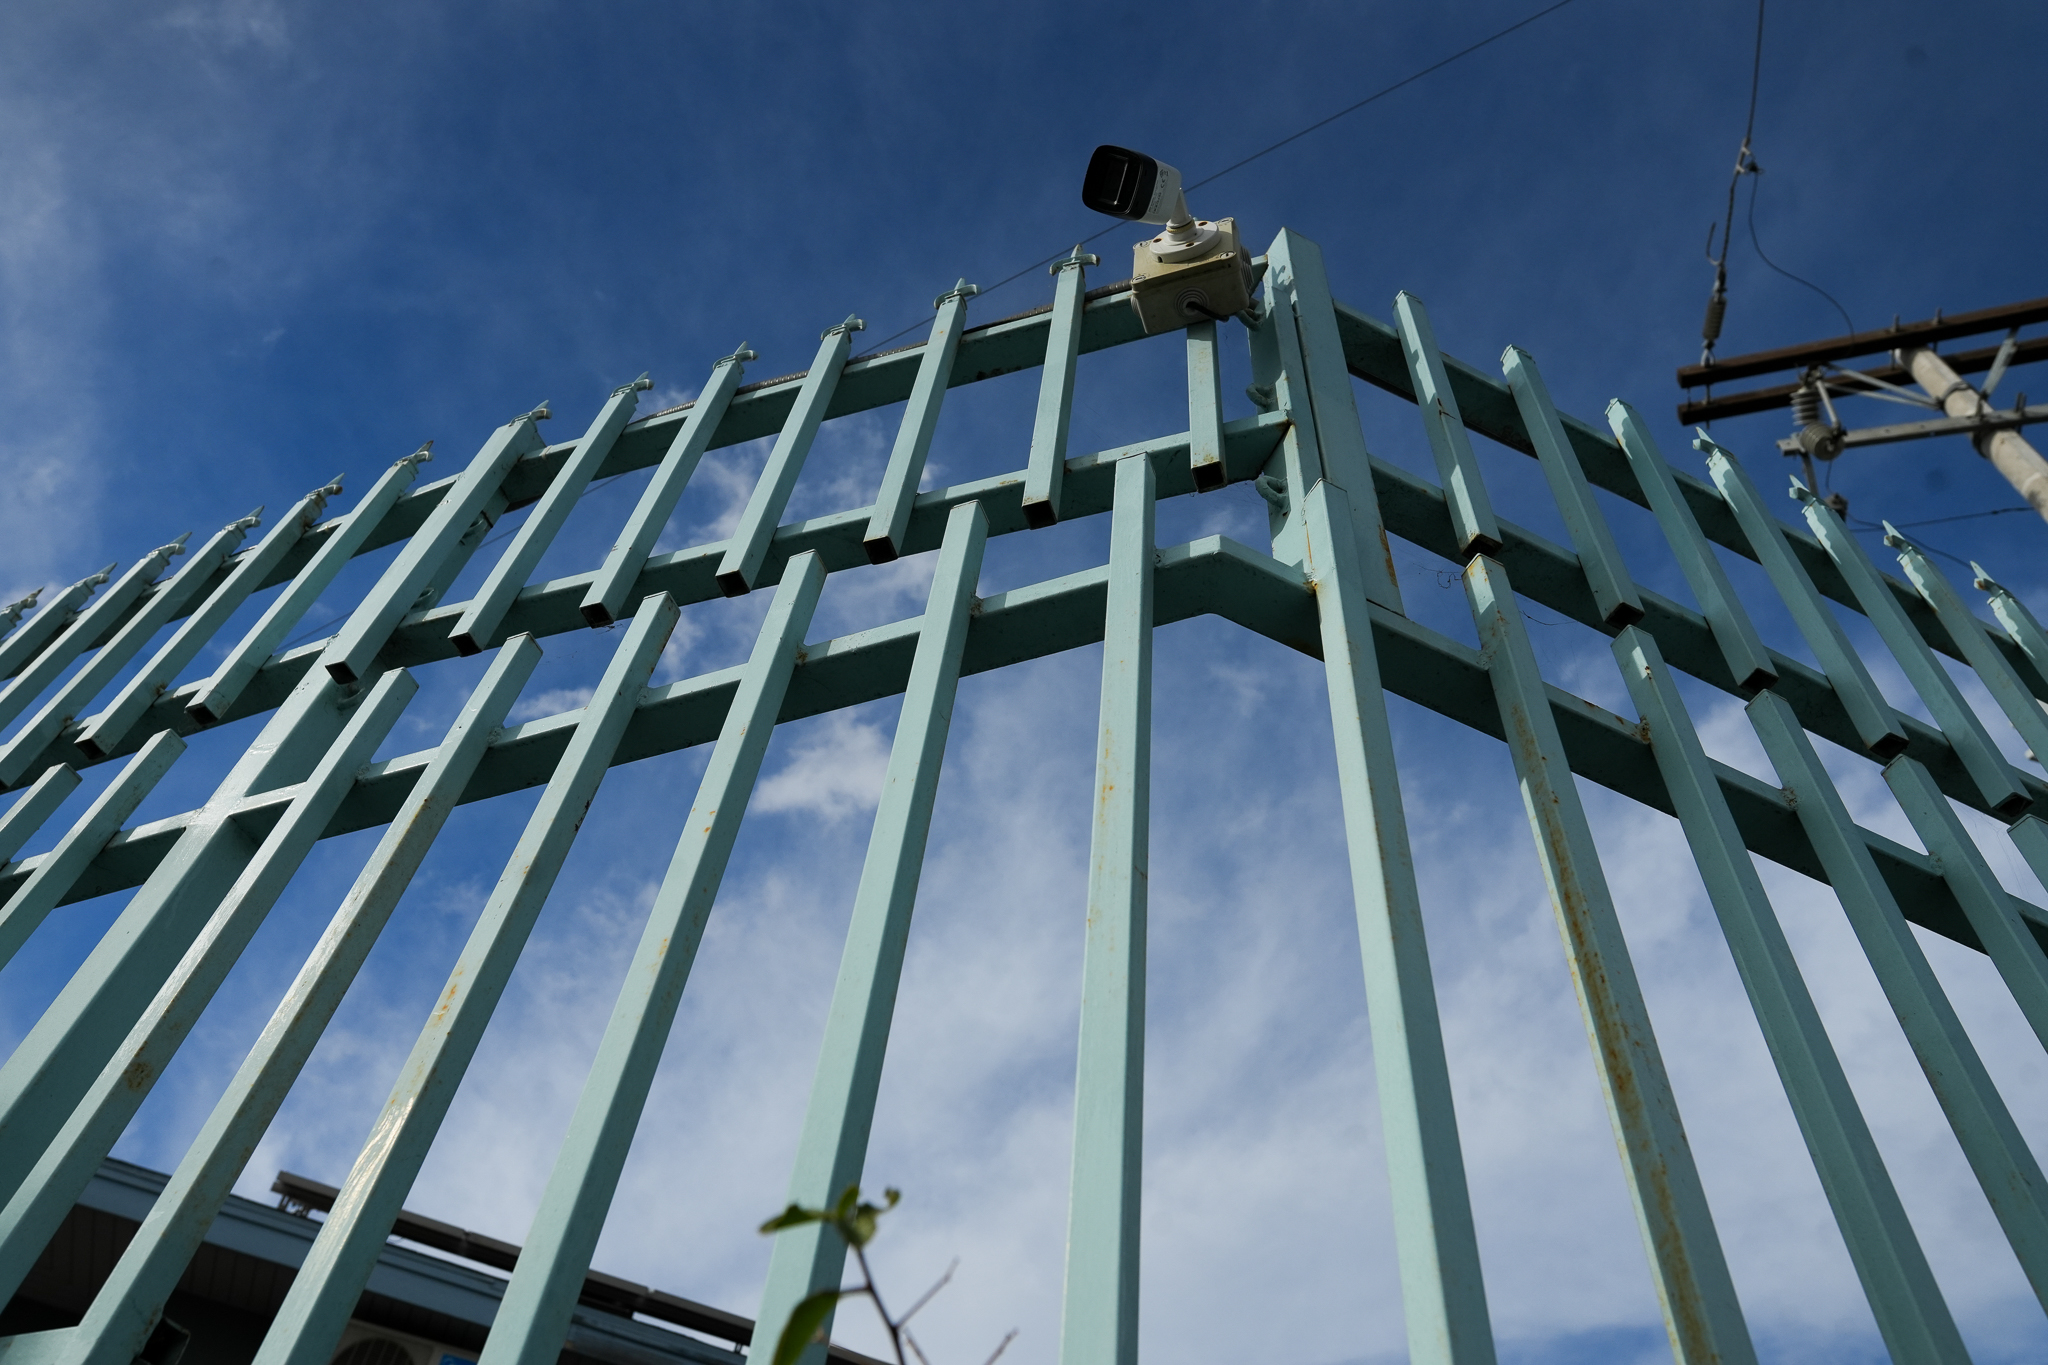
1142	189
1194	270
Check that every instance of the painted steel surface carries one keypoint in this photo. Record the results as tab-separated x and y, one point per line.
94	675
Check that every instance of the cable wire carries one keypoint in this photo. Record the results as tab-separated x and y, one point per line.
1962	516
1745	164
1383	93
1781	269
1874	528
1240	164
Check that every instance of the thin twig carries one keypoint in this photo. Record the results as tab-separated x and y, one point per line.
943	1281
1001	1346
875	1297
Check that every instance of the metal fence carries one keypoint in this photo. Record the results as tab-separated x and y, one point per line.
202	881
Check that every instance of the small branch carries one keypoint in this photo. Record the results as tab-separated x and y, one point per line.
929	1294
874	1296
1001	1346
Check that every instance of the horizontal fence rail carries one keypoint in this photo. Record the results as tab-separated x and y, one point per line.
199	883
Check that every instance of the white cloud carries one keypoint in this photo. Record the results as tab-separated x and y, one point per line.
231	24
551	702
49	310
662	397
836	770
729	476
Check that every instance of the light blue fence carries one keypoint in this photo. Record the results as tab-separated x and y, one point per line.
201	882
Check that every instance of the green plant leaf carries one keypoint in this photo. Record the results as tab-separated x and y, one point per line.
806	1323
858	1226
795	1216
848	1197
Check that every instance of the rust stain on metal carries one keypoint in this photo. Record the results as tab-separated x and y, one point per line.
448	996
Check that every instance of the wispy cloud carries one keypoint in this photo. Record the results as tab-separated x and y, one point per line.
835	772
50	308
553	701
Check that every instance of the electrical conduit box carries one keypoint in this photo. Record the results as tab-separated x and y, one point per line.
1195	271
1168	295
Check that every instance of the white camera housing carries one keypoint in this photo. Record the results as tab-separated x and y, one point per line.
1194	270
1167	204
1143	189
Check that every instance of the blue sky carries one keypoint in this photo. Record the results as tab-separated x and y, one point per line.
247	245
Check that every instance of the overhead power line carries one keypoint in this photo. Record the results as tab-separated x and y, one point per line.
1746	164
1382	93
1270	148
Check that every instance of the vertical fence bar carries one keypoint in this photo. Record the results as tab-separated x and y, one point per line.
2019	623
534	1316
34	806
54	1063
1877	725
606	600
66	1047
2007	941
23	645
1314	389
64	864
19	755
1911	1314
1442	1290
1701	1312
449	535
474	630
2029	835
747	550
210	704
1614	591
1046	466
1472	522
128	1305
11	614
91	1016
834	1144
62	1052
87	626
891	518
324	1293
1993	670
1749	663
1099	1312
1296	465
1205	408
2005	1168
43	1199
104	732
2021	708
1995	780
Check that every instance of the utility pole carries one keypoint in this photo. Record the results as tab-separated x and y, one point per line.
1818	378
2009	452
